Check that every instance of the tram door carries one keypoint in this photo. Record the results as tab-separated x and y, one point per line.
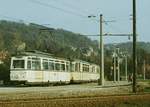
36	66
80	71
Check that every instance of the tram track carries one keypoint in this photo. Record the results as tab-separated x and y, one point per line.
87	100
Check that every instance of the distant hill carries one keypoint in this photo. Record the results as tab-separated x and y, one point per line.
16	37
127	47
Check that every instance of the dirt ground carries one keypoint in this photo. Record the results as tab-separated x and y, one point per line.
79	95
91	89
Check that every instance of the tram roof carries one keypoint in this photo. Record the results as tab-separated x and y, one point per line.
39	54
78	60
48	55
35	53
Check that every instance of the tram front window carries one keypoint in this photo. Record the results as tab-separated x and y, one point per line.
18	64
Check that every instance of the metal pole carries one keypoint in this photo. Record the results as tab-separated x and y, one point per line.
101	82
118	68
144	70
114	65
134	48
126	67
118	65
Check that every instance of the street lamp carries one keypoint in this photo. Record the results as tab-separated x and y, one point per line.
101	47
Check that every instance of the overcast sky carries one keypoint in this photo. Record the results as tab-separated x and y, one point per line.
72	15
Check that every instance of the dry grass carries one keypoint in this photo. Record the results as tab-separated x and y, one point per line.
105	101
72	96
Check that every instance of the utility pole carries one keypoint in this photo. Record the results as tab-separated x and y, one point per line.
114	65
118	68
126	67
134	48
101	82
144	70
101	48
118	65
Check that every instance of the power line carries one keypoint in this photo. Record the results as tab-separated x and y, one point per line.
63	10
51	6
114	28
110	25
71	6
57	8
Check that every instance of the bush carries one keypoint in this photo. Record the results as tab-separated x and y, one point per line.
4	72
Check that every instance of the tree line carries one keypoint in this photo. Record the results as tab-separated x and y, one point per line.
16	37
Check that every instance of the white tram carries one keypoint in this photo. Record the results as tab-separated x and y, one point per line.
84	71
38	67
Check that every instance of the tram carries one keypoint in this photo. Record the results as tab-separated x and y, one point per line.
38	68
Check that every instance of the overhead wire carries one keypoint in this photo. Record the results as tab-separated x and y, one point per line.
71	6
57	8
112	27
66	11
118	31
63	10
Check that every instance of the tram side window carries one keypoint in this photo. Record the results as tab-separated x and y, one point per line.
29	65
88	69
77	67
93	69
67	67
36	65
97	69
63	67
51	66
18	63
45	65
72	67
85	68
57	66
